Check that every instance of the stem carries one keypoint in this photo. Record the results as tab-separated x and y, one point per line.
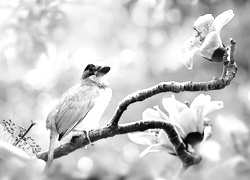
24	134
232	49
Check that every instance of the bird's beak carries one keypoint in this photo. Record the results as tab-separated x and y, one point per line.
103	70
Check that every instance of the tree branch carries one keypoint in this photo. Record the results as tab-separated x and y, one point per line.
229	67
109	131
112	129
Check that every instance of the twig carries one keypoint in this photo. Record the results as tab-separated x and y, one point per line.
24	134
232	49
175	87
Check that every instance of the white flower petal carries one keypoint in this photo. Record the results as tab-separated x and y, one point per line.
207	133
198	105
143	138
204	20
174	107
204	25
223	19
150	114
200	100
157	148
150	149
169	105
163	138
180	106
187	59
211	43
162	114
187	121
211	107
187	50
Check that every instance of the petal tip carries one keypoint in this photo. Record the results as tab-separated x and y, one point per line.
202	20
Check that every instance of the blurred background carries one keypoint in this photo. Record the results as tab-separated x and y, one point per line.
45	46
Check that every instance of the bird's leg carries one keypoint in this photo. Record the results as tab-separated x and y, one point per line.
79	133
87	135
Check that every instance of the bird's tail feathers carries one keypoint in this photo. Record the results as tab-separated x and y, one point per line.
53	139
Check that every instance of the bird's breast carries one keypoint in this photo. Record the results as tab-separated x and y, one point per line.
91	121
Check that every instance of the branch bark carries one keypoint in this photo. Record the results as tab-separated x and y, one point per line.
112	128
217	83
186	157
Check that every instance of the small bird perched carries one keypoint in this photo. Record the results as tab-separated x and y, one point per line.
82	104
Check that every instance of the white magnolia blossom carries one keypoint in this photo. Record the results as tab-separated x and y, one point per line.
185	119
206	39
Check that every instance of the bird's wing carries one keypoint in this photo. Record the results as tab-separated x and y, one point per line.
74	106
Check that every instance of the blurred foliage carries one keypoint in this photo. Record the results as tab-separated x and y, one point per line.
45	45
16	135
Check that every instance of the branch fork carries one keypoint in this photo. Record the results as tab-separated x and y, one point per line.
113	128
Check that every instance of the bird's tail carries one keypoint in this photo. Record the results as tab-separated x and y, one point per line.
53	139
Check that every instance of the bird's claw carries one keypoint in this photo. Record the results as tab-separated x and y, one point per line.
87	135
78	133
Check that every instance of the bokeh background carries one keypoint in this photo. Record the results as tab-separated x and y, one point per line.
45	45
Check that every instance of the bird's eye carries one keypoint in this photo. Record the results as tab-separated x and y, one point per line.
91	69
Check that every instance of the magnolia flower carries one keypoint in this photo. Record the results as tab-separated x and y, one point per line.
188	122
207	41
17	153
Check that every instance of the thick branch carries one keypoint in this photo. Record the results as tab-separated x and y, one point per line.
230	69
110	131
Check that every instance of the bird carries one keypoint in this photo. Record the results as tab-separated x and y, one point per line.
80	106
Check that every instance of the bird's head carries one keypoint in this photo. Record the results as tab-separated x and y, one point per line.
94	71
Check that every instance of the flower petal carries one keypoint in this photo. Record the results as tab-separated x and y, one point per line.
162	114
204	20
164	141
204	25
180	106
211	43
144	138
169	105
200	100
187	121
187	50
150	114
187	59
163	138
174	107
207	133
211	107
150	149
223	19
198	104
157	148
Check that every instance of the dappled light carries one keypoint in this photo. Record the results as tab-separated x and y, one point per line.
46	45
